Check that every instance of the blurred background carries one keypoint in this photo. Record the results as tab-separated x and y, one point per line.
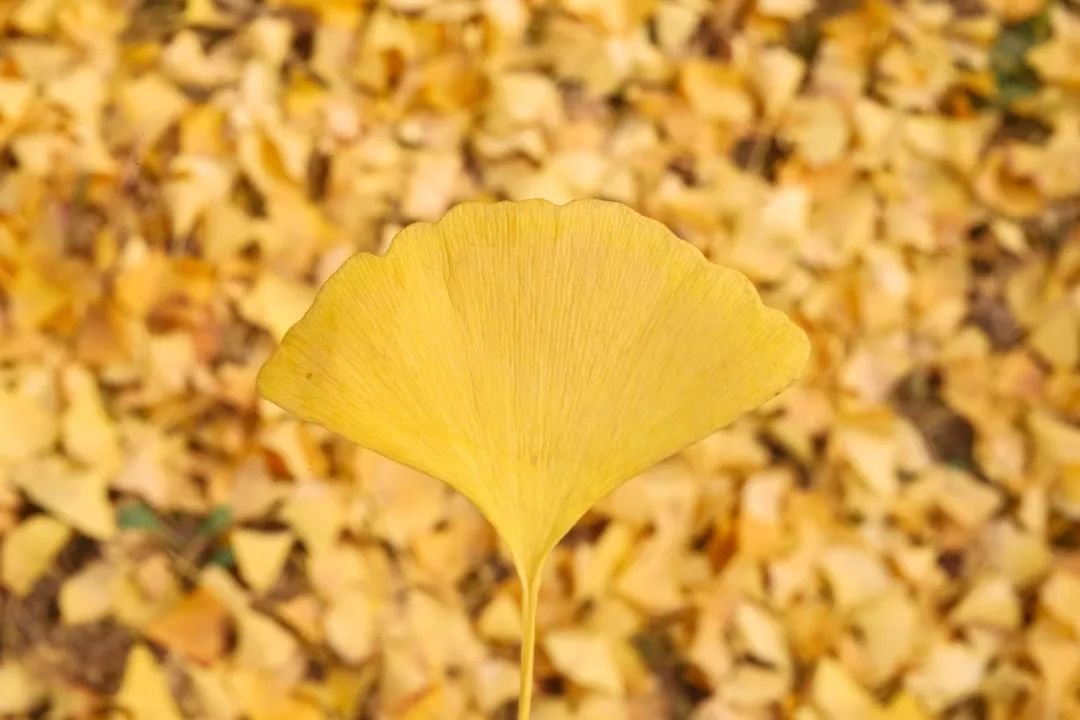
895	538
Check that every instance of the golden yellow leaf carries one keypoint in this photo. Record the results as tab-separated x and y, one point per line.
404	503
87	595
87	430
854	574
890	631
872	455
584	658
950	672
197	183
905	707
275	303
497	684
534	357
761	636
263	696
35	16
205	13
29	549
263	643
501	620
788	9
195	628
228	591
260	556
992	601
717	92
1057	337
15	97
150	105
776	76
28	428
316	512
838	696
35	299
1056	59
145	692
649	579
350	626
1061	598
755	687
79	497
20	689
210	688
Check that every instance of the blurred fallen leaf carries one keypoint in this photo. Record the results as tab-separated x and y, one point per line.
29	549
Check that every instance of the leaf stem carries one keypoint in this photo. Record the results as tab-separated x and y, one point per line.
530	594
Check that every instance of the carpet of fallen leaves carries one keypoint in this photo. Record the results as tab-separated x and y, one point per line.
896	538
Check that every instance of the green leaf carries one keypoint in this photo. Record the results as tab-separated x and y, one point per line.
224	557
1016	79
138	516
217	522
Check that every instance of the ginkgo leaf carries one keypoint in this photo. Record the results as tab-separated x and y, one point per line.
534	357
261	556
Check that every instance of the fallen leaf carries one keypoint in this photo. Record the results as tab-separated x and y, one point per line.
275	303
1061	597
584	658
29	550
260	556
991	601
350	626
21	690
837	696
145	691
194	629
87	595
950	672
29	428
79	497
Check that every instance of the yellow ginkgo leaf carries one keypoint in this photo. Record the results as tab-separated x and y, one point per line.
534	357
